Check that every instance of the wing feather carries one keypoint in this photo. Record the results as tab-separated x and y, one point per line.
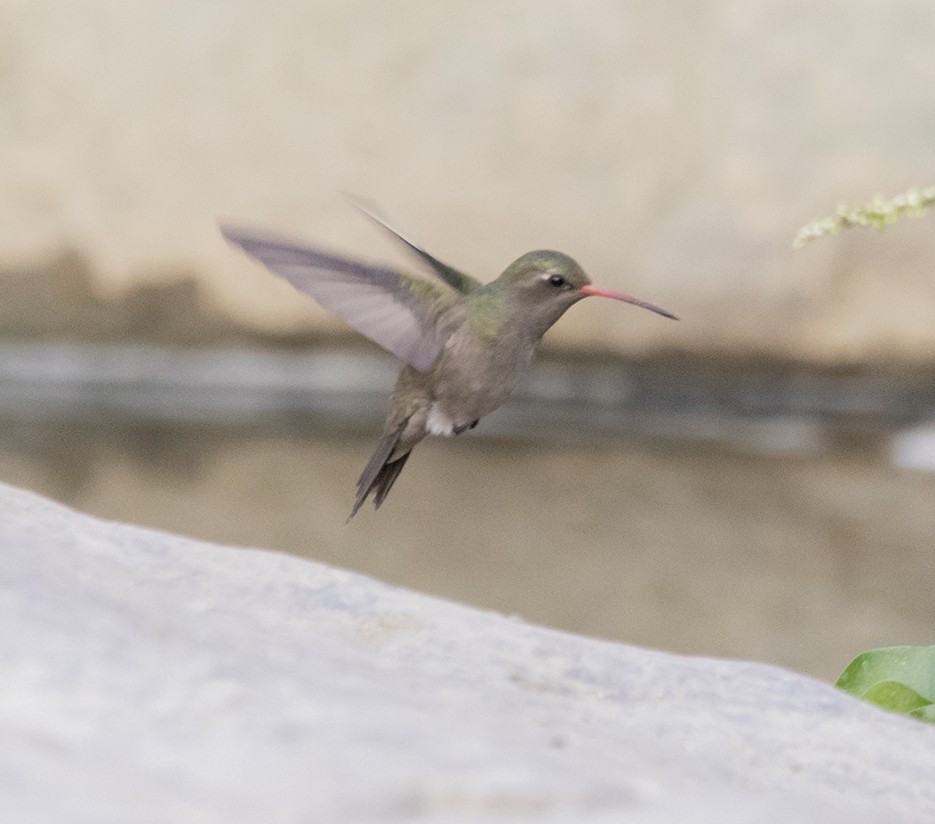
397	311
454	278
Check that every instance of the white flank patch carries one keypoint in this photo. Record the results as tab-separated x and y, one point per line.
438	423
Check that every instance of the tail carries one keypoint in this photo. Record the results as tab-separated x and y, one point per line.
380	473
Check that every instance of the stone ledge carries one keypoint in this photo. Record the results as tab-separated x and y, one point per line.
148	677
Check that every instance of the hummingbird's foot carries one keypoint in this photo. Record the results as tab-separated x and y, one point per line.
464	427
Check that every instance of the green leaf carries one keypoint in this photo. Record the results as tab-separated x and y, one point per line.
892	695
901	679
926	713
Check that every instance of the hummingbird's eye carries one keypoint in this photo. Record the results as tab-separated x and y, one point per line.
557	280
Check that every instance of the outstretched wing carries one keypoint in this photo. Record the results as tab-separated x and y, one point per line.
397	311
455	279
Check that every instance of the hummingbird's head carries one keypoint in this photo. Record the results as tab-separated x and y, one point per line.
547	283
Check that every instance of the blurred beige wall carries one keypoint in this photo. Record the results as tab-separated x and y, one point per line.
673	148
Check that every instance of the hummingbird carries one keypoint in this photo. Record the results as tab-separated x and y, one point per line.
464	344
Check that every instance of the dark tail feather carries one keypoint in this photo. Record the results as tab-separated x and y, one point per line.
385	479
380	473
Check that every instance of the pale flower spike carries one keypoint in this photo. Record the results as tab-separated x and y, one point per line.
878	214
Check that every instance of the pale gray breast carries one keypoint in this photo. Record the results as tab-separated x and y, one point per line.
473	377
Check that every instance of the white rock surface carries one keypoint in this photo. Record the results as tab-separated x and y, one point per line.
150	678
